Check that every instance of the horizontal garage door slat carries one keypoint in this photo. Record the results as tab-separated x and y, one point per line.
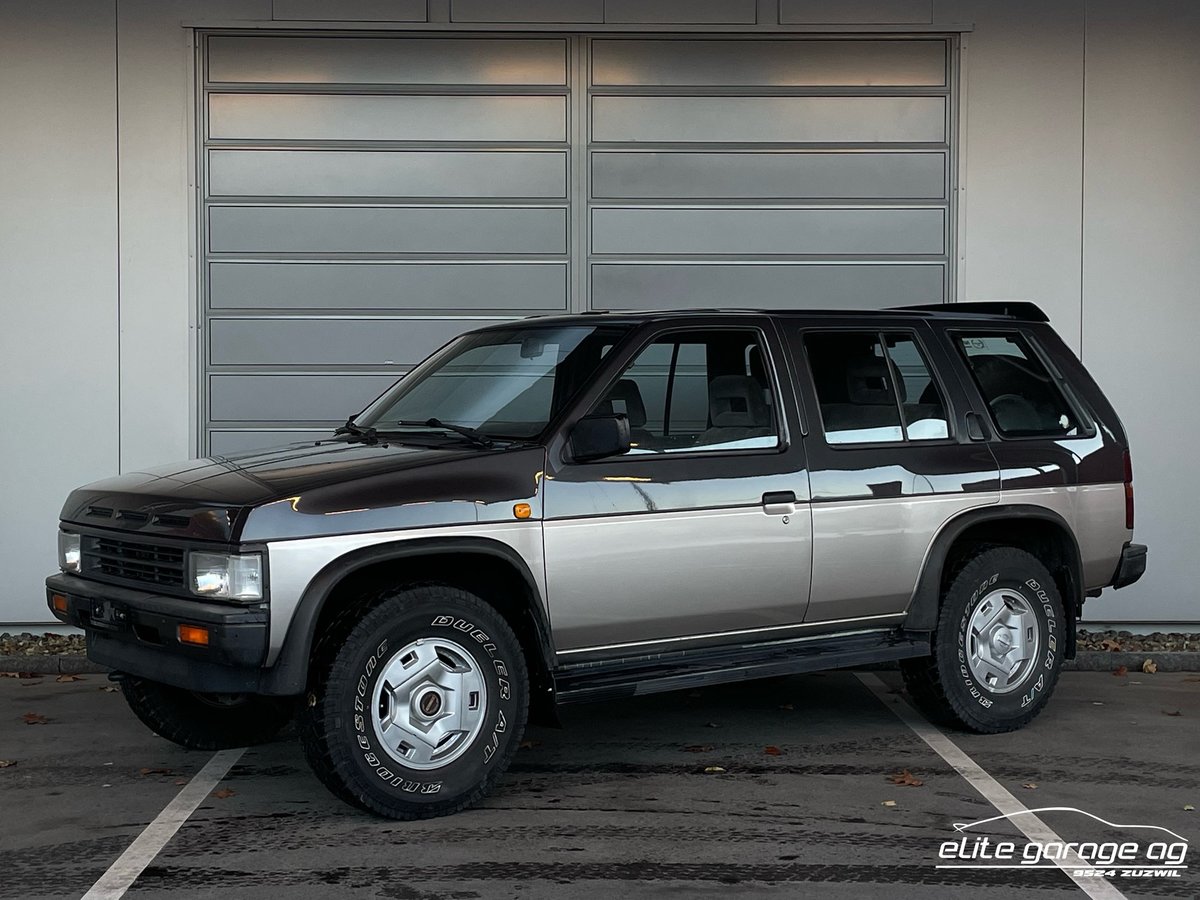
370	60
766	286
229	443
388	173
369	117
775	231
331	342
768	63
359	229
359	285
793	120
292	398
755	176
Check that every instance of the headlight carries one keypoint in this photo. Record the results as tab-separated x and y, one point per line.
68	552
228	576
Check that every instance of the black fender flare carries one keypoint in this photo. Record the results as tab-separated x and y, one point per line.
289	675
924	606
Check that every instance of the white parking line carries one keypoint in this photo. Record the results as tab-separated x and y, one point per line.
992	791
124	872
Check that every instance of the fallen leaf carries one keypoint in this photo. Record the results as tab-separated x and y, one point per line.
787	706
1109	644
1120	671
1149	667
772	750
1187	807
713	770
1173	714
7	763
223	793
889	802
698	748
34	719
66	676
21	675
905	778
528	745
145	772
109	688
1030	785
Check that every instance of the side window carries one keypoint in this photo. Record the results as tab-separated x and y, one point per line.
874	388
696	390
1020	393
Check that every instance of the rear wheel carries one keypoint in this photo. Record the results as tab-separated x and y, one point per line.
206	721
418	711
998	646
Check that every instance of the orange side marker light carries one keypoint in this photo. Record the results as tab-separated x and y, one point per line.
193	634
522	510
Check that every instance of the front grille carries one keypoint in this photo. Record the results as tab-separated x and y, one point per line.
133	561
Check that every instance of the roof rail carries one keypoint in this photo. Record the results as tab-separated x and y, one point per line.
1016	309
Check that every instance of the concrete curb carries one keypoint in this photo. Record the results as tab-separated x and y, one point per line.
51	665
1086	661
1108	660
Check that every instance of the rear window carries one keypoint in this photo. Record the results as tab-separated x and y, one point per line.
1021	394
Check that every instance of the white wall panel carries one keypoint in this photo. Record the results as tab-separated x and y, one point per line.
1021	202
1141	309
58	278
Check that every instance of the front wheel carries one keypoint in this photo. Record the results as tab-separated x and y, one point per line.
417	712
206	721
998	646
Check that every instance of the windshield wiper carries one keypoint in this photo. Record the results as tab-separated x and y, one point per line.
357	432
478	438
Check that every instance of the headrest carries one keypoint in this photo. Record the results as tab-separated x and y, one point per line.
626	391
867	382
737	401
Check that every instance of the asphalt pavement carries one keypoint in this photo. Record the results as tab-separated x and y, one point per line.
786	788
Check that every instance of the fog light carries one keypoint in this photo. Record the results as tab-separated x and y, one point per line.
193	634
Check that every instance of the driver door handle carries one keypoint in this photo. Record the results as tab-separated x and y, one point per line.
779	503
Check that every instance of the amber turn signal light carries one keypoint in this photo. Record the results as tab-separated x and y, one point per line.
193	634
522	510
59	602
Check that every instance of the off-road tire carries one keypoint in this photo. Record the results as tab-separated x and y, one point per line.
943	686
206	721
339	740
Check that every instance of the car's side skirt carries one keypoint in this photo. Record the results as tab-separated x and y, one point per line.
679	670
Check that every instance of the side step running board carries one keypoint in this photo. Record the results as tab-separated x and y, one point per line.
681	669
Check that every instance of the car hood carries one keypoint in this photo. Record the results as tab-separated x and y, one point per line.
310	489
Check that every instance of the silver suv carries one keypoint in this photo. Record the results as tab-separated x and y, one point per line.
595	506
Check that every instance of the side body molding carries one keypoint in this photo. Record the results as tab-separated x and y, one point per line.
289	672
924	606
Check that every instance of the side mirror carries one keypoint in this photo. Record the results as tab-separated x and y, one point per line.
599	436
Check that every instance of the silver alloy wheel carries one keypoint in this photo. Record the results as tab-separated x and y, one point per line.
430	701
1003	640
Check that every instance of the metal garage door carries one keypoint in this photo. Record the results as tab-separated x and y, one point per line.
367	197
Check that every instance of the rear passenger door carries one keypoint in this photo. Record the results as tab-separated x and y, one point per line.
700	534
890	460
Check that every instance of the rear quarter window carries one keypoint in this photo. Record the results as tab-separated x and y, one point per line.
1022	396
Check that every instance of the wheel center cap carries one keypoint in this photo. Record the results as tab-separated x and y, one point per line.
430	704
1001	642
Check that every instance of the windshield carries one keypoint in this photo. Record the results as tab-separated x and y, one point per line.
504	383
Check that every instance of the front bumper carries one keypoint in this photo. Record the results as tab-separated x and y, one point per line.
1132	565
136	632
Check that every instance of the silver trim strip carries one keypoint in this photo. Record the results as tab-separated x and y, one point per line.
719	634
